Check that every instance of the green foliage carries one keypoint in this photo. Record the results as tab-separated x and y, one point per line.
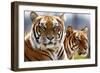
76	56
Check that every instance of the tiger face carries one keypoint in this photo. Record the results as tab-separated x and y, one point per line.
76	41
47	31
81	38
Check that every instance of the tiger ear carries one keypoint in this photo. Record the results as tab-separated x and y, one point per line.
69	30
62	16
85	29
33	15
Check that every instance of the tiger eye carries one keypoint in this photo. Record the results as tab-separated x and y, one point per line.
57	28
41	29
42	24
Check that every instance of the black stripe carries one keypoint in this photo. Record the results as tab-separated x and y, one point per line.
59	52
61	37
73	47
68	53
36	38
70	41
58	35
27	45
50	51
47	54
27	57
61	55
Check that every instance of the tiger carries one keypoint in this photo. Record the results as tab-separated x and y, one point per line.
76	41
45	40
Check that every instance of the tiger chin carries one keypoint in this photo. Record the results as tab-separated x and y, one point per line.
45	41
76	42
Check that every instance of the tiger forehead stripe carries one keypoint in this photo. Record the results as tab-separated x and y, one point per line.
36	22
55	22
42	22
59	20
49	22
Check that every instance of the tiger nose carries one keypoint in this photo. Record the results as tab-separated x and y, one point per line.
50	37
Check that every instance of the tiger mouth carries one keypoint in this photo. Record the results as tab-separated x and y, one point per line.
83	52
50	43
